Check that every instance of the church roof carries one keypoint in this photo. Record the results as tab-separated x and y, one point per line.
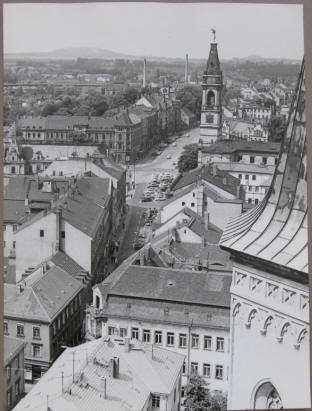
213	63
276	231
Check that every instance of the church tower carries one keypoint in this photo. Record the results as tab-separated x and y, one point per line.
211	111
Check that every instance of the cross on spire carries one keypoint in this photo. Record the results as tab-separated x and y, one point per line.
214	35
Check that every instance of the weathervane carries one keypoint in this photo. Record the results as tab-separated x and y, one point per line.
214	35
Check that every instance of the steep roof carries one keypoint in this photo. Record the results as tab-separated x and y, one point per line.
276	231
43	299
13	211
11	347
213	64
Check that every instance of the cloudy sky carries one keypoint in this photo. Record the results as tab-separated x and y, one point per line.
153	29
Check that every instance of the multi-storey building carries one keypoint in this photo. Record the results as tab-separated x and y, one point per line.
256	112
255	179
185	311
253	152
211	111
13	364
270	325
112	375
44	312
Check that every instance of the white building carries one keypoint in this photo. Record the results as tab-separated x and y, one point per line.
270	325
109	375
185	311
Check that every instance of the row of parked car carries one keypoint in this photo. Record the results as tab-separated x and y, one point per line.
159	188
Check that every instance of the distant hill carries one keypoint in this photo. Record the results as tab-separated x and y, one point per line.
99	53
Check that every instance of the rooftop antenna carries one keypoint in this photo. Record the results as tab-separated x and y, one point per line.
214	35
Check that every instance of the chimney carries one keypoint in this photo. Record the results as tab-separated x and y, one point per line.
186	69
127	344
142	259
144	73
238	192
20	288
116	367
214	169
26	201
104	387
207	217
203	242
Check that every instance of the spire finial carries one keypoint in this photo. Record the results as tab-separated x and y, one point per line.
214	35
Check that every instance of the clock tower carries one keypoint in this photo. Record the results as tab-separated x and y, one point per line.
211	110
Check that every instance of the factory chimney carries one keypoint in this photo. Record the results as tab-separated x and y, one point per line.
186	69
144	73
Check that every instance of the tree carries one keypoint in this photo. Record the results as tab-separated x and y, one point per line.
277	127
189	158
200	398
197	395
49	109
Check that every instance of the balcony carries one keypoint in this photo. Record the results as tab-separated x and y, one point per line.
95	312
211	108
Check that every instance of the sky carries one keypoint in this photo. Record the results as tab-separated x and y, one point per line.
154	29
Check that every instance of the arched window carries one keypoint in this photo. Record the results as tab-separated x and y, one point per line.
267	398
211	98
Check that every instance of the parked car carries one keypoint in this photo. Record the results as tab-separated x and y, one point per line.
186	135
168	157
146	199
174	144
174	163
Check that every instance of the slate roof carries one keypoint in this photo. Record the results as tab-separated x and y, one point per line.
187	286
275	233
141	374
66	263
230	147
245	168
12	346
13	211
205	173
43	299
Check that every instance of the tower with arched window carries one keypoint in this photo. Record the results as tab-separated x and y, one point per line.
269	325
211	111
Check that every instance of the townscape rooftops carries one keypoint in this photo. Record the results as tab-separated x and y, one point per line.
13	211
12	346
245	168
141	373
221	179
67	264
230	147
276	231
43	299
174	285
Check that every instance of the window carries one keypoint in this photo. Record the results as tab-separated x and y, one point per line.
207	342
194	367
20	330
275	161
240	176
170	339
184	368
36	350
257	189
123	332
247	176
54	328
207	370
249	200
183	203
155	401
239	158
14	228
254	177
219	372
146	336
158	337
264	160
182	340
195	341
135	333
192	204
182	392
220	344
62	234
8	372
41	233
16	364
5	328
60	173
9	398
36	332
252	159
111	330
17	391
256	201
194	194
4	227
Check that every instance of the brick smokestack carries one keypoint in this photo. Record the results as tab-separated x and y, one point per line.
186	69
144	73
